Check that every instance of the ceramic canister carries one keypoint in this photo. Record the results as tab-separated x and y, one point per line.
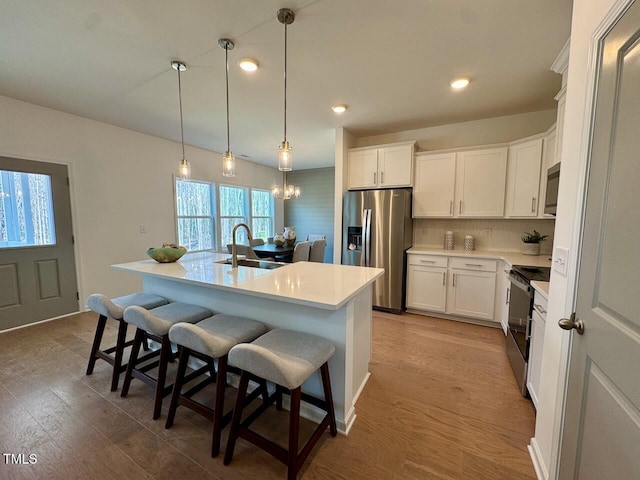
448	240
469	242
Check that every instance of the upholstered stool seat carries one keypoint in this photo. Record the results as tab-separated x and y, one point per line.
155	324
114	309
209	339
288	359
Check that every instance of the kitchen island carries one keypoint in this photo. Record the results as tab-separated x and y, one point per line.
331	301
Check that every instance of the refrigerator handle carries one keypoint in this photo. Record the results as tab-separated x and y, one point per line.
367	248
363	238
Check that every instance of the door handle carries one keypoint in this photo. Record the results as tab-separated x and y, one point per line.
451	207
453	280
533	204
375	178
460	208
381	178
571	323
444	278
506	302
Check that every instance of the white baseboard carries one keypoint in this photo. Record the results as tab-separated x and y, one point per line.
542	472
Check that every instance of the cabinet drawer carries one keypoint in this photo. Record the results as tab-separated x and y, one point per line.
479	264
428	260
540	305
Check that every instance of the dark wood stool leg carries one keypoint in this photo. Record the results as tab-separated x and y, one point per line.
145	344
326	383
135	349
165	353
102	321
221	383
278	397
117	362
177	385
294	433
237	416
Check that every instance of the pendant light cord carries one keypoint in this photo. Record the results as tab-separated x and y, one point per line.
180	98
285	82
226	58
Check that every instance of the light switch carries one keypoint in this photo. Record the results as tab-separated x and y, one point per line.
561	260
143	229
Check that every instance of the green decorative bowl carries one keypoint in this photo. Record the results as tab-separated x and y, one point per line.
166	254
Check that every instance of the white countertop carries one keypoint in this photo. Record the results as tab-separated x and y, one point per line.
511	258
541	287
322	285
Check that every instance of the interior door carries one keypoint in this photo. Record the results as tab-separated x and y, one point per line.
601	435
37	263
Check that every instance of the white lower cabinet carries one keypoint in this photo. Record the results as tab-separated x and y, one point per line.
462	287
536	344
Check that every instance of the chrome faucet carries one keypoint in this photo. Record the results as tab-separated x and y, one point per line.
234	251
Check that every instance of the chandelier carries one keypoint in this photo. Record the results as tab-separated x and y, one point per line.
285	156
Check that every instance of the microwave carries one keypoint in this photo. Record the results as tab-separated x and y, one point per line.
553	182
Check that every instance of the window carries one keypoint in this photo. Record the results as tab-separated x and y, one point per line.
198	218
195	211
233	210
261	213
26	210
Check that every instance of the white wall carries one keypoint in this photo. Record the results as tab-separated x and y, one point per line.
120	179
587	15
477	132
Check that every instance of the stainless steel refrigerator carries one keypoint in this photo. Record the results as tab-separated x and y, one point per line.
377	231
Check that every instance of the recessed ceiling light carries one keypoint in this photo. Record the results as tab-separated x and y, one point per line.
339	108
248	64
459	83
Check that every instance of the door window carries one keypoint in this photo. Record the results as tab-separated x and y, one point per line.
26	210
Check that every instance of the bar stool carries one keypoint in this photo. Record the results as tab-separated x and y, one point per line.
210	339
288	359
114	308
155	324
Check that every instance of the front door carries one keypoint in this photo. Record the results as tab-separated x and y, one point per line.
37	263
601	435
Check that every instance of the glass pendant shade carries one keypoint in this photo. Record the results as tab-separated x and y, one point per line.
228	164
285	157
184	169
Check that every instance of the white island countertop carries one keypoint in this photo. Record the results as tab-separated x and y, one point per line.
511	258
320	285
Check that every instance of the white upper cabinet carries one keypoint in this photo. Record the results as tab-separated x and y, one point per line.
467	183
434	183
381	167
480	182
523	182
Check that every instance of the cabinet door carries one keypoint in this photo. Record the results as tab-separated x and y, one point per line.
363	169
471	293
523	182
480	182
535	356
434	185
427	288
395	166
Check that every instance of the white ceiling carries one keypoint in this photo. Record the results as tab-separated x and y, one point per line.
390	61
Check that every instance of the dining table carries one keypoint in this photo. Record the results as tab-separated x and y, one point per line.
272	250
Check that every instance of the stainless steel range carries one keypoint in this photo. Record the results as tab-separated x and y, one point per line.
520	309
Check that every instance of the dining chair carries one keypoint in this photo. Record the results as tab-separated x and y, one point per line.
256	241
301	252
245	250
311	237
316	254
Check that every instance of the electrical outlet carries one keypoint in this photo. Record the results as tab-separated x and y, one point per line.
487	232
143	229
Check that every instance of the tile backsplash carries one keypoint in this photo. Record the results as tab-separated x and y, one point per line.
489	234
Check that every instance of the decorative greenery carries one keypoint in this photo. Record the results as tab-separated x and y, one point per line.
534	237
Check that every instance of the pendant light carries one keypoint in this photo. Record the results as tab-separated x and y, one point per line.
184	168
228	159
285	156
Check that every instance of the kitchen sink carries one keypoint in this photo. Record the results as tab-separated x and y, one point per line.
267	265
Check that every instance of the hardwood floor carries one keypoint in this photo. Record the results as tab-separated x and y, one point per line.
441	403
